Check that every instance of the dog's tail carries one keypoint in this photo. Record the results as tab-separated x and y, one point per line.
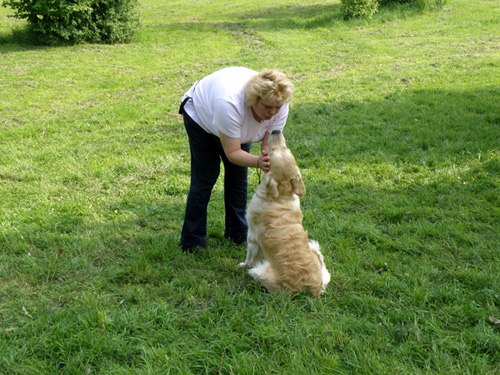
314	245
264	274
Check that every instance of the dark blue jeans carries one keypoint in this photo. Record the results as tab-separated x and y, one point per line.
206	154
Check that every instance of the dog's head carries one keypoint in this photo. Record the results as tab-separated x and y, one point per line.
284	177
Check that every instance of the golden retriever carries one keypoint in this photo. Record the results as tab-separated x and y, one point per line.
275	232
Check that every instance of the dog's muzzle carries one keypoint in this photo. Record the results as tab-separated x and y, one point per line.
276	132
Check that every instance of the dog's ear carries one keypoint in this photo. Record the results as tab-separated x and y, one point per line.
271	188
298	186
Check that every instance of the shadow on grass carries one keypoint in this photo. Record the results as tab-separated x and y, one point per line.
294	17
128	243
454	137
425	127
19	38
290	17
270	19
135	241
417	173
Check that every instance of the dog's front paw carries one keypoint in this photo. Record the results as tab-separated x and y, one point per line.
242	265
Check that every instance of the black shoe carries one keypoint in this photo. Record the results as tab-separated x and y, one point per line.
194	249
240	240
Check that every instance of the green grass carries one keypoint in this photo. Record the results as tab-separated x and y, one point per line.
396	128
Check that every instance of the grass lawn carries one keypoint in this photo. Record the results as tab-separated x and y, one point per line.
395	126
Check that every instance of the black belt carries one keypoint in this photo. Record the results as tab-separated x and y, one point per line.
181	108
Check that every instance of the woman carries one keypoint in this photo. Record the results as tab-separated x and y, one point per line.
223	114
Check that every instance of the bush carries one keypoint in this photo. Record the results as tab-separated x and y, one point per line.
359	8
367	8
78	21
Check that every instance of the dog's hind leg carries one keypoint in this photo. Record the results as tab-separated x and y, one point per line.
314	245
264	274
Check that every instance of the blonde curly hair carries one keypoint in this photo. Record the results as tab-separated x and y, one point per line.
269	84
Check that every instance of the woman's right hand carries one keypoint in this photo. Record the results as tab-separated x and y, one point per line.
264	162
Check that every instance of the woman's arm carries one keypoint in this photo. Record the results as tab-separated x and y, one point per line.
234	153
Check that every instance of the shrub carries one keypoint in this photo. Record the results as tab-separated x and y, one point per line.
78	21
359	8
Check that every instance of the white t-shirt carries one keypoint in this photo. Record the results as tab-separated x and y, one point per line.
218	104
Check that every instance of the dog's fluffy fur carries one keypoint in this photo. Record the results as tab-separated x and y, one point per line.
279	254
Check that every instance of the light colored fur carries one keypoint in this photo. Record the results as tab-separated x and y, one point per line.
279	254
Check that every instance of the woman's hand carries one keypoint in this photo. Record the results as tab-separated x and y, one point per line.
263	162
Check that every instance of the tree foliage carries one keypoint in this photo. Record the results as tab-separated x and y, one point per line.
78	21
367	8
359	8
